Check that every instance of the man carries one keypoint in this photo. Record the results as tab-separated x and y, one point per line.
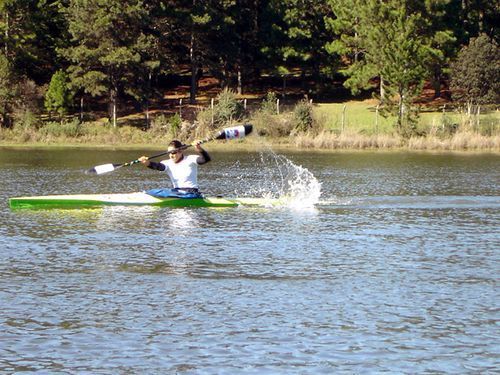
182	170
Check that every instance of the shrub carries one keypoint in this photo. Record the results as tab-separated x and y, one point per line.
303	116
227	108
272	125
70	129
164	125
269	104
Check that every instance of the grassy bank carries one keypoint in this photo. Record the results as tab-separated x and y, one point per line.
351	125
359	125
363	117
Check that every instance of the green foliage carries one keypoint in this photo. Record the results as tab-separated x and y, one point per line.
475	75
108	48
447	127
126	49
26	121
167	125
385	43
270	125
69	129
7	90
303	116
269	103
58	97
227	108
30	31
306	35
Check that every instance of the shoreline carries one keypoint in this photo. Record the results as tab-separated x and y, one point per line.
246	145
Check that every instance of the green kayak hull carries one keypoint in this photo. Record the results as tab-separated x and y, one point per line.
131	199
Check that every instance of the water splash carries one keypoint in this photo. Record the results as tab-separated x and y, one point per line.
275	176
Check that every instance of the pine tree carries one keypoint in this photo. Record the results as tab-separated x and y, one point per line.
30	32
384	42
475	74
58	97
107	46
7	90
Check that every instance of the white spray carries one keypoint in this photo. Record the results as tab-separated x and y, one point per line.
278	177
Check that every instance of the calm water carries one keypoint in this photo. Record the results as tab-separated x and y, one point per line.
394	270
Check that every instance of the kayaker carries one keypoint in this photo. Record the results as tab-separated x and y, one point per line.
182	170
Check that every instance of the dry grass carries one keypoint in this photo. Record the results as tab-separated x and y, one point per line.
462	140
347	140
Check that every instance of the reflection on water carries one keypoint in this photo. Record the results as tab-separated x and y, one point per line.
394	270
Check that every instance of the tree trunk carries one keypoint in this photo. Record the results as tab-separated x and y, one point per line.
436	84
112	106
147	99
194	70
240	85
382	89
6	47
400	110
81	108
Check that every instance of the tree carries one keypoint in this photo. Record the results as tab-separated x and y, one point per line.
441	22
306	35
58	97
383	42
7	91
480	17
107	46
475	74
30	32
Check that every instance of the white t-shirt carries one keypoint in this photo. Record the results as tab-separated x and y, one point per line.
183	174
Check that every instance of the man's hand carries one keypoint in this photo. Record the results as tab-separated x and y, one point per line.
197	145
144	160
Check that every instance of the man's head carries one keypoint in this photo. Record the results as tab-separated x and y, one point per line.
176	155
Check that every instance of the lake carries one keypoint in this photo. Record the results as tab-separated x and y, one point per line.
385	262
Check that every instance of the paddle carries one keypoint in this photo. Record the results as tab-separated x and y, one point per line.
227	133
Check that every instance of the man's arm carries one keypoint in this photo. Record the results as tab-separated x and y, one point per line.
152	164
203	157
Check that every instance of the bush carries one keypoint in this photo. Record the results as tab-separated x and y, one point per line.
71	129
26	120
164	125
226	110
272	125
269	104
303	116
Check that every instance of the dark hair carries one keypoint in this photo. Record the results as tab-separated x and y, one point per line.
175	143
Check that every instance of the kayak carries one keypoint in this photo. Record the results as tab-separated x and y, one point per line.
132	199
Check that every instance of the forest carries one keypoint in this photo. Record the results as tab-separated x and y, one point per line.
63	57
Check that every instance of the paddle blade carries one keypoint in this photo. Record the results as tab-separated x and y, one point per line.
235	132
104	168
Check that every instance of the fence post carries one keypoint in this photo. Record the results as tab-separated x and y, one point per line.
278	106
180	109
212	111
343	118
477	117
443	119
81	109
114	115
